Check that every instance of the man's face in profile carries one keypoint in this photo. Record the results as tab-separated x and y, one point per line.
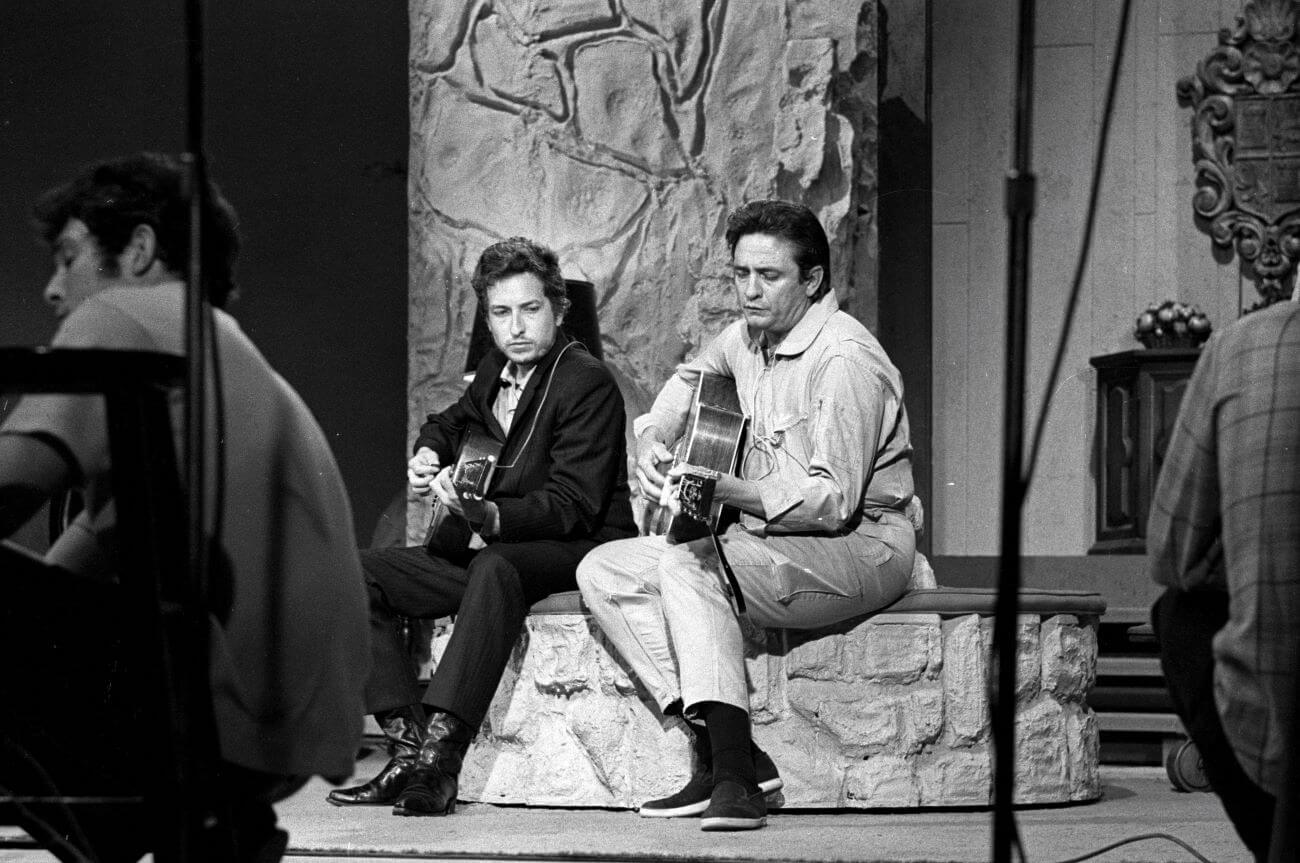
522	320
80	269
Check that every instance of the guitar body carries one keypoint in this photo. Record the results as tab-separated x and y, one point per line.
448	532
715	428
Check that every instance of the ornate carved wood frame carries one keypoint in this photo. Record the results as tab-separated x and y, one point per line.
1246	142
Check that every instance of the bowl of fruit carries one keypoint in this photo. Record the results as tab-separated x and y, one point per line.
1172	324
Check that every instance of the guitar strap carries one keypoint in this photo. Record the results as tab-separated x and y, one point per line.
726	570
695	490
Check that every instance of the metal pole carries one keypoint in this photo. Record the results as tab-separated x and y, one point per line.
192	734
1020	196
195	298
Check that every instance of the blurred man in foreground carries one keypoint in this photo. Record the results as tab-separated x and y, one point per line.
1223	539
286	626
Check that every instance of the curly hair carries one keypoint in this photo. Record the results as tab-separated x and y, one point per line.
113	197
520	255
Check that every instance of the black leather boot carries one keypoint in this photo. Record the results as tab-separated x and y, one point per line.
432	788
404	728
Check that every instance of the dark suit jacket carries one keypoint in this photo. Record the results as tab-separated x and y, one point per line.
562	473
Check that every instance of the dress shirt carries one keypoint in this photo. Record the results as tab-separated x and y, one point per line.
512	388
503	408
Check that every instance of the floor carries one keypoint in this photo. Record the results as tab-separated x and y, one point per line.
1136	801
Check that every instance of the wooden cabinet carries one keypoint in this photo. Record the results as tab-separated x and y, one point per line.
1138	395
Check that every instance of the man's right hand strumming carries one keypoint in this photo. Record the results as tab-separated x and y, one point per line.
651	455
421	470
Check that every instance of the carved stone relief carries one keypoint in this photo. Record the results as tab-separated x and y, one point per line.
1246	143
620	133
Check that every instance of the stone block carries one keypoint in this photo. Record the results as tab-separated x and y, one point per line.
568	727
437	33
884	780
965	680
517	71
1042	762
799	136
816	658
545	19
1029	655
1083	742
810	760
955	777
894	652
1069	657
681	28
620	104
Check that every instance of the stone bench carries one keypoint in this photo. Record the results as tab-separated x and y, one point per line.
886	711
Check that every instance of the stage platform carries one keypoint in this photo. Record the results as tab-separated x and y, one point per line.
1135	800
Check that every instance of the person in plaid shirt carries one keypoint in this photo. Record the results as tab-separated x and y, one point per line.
1224	540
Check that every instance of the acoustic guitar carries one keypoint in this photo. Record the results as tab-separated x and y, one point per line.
475	464
715	428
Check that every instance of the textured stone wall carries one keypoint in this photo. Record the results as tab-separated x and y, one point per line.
620	133
892	712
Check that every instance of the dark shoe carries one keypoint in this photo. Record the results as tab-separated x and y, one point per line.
404	730
694	796
432	787
735	806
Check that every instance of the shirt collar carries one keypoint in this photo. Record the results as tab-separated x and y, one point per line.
801	335
511	377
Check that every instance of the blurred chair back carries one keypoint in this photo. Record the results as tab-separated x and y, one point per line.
167	625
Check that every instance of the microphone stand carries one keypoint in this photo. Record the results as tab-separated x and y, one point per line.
203	828
196	300
1020	197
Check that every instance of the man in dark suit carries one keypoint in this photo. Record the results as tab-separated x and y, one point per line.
559	489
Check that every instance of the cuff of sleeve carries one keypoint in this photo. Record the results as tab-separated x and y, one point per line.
491	521
643	422
778	499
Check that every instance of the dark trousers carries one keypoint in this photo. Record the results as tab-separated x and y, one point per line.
72	723
489	591
1184	623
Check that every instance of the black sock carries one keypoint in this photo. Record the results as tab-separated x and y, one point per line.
700	742
728	730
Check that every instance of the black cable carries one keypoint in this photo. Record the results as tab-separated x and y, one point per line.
1020	192
1139	838
1094	194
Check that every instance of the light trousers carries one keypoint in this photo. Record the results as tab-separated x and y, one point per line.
669	612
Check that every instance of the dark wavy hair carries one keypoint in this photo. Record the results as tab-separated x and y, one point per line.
114	196
520	255
793	223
